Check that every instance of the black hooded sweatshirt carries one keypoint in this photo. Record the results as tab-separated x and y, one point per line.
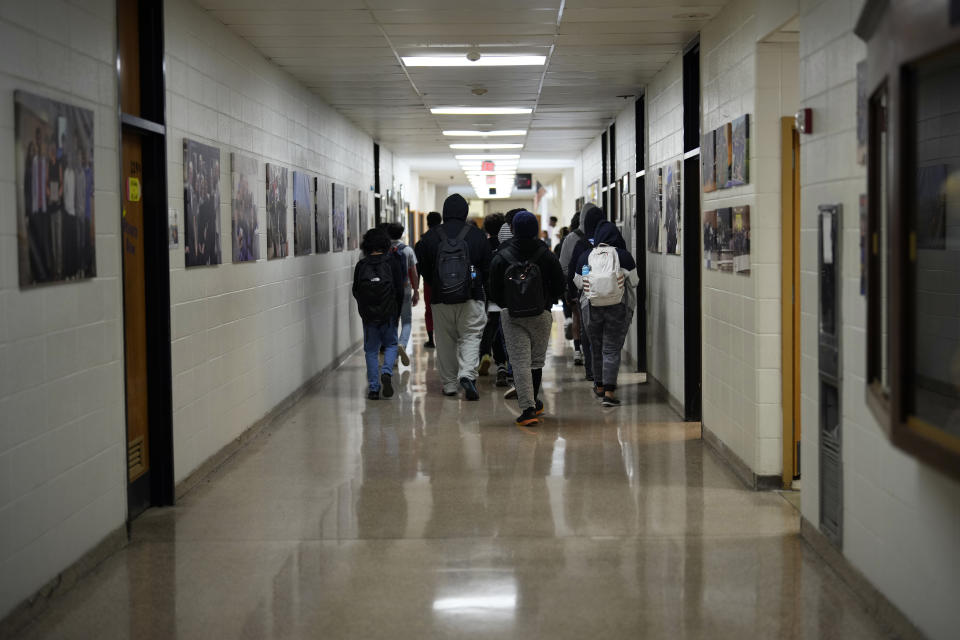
591	219
523	249
455	210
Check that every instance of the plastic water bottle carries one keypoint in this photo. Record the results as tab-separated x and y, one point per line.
586	270
473	273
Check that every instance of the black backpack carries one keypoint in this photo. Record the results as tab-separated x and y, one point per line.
376	298
453	278
523	285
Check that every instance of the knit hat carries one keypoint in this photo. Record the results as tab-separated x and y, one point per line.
525	225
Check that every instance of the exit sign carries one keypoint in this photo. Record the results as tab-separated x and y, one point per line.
486	165
492	180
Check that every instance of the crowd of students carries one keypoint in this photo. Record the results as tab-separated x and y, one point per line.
489	295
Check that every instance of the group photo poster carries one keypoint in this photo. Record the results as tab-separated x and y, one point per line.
740	240
723	240
322	220
54	148
710	240
276	212
245	228
672	219
303	228
201	204
339	218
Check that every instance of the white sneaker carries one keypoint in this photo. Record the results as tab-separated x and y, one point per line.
511	393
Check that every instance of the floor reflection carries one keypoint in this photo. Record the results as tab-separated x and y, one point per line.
429	517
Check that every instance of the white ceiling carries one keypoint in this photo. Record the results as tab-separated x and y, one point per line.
347	51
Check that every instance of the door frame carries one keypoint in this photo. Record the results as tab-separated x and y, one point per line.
692	261
790	297
156	488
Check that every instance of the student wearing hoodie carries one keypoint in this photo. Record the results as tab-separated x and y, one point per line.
434	219
378	289
527	317
608	324
491	349
455	261
590	216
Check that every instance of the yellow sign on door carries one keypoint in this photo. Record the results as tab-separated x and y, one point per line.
133	189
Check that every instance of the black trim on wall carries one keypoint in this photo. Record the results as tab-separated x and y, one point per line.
376	184
604	192
640	226
156	488
692	320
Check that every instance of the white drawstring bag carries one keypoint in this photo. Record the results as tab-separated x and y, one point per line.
604	284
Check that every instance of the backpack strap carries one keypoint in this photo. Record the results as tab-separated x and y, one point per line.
463	232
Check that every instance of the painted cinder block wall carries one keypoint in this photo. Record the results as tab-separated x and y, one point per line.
901	518
245	336
62	434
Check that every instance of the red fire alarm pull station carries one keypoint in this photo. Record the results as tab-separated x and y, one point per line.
486	165
804	120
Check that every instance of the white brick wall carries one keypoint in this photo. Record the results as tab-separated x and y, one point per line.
247	335
741	315
664	139
901	519
62	434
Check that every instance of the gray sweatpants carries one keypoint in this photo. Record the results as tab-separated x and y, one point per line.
527	340
608	328
457	329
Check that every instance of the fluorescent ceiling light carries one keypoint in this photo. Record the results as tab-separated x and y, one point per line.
480	111
482	61
488	157
487	134
485	145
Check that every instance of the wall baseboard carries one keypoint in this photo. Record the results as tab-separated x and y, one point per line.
230	449
28	610
877	604
31	608
740	468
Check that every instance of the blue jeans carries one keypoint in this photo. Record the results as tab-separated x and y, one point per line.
375	336
406	317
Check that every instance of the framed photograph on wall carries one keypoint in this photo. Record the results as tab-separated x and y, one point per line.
672	219
54	149
593	192
323	204
353	219
653	184
339	218
740	240
740	152
277	246
244	226
201	204
710	240
723	159
724	240
303	227
708	168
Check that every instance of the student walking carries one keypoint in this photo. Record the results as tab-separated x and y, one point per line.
411	288
434	219
590	217
491	347
455	261
608	278
526	280
378	289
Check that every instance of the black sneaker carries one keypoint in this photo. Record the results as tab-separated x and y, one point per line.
528	417
502	379
387	385
430	344
610	402
539	409
469	389
589	377
598	391
373	395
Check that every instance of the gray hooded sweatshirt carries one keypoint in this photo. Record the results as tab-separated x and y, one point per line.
566	251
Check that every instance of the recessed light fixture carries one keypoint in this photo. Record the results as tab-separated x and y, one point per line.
480	111
485	145
481	61
487	134
492	156
697	15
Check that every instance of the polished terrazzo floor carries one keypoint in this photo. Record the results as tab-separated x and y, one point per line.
430	517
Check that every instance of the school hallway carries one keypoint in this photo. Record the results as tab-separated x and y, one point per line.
422	516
